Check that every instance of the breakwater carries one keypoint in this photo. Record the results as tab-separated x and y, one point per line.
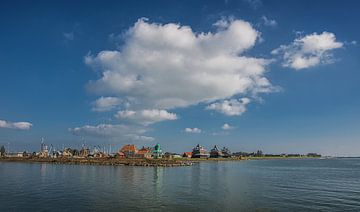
103	161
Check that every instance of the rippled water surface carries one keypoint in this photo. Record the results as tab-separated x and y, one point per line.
266	185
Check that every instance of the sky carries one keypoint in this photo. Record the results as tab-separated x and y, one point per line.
280	76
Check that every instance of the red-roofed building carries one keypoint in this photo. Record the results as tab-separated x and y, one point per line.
144	152
129	150
187	155
121	155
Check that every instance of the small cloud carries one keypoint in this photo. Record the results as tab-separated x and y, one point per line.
192	130
232	107
146	117
309	51
120	132
268	22
226	126
15	125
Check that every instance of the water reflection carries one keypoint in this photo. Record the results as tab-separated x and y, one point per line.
158	180
224	186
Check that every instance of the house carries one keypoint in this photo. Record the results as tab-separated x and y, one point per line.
14	154
144	152
187	155
129	150
226	152
121	155
216	153
67	152
170	155
199	152
100	155
157	151
84	152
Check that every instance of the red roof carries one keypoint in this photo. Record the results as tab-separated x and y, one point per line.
128	148
188	154
144	150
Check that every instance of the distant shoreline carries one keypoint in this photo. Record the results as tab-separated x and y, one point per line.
137	161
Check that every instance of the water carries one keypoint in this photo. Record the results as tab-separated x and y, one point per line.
267	185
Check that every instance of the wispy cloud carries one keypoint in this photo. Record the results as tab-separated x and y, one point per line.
15	125
106	104
268	21
254	4
119	131
192	130
69	35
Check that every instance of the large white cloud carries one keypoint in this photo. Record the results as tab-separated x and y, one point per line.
232	107
15	125
146	117
309	51
120	132
166	66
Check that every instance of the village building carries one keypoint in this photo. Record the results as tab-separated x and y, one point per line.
216	153
170	155
226	152
15	154
157	152
144	152
44	152
100	155
187	155
129	150
84	152
199	152
120	155
67	152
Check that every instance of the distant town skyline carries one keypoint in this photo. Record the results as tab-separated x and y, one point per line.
278	76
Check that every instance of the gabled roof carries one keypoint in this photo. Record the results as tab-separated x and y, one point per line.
128	148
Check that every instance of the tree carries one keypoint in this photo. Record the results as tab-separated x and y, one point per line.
2	151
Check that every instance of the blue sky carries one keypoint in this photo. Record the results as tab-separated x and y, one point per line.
281	76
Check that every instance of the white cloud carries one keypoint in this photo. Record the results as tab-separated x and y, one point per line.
232	107
192	130
106	104
268	22
226	126
167	66
120	132
15	125
146	117
309	51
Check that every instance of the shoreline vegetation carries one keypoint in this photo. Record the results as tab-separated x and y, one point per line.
138	161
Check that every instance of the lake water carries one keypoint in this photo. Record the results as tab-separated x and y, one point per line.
266	185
